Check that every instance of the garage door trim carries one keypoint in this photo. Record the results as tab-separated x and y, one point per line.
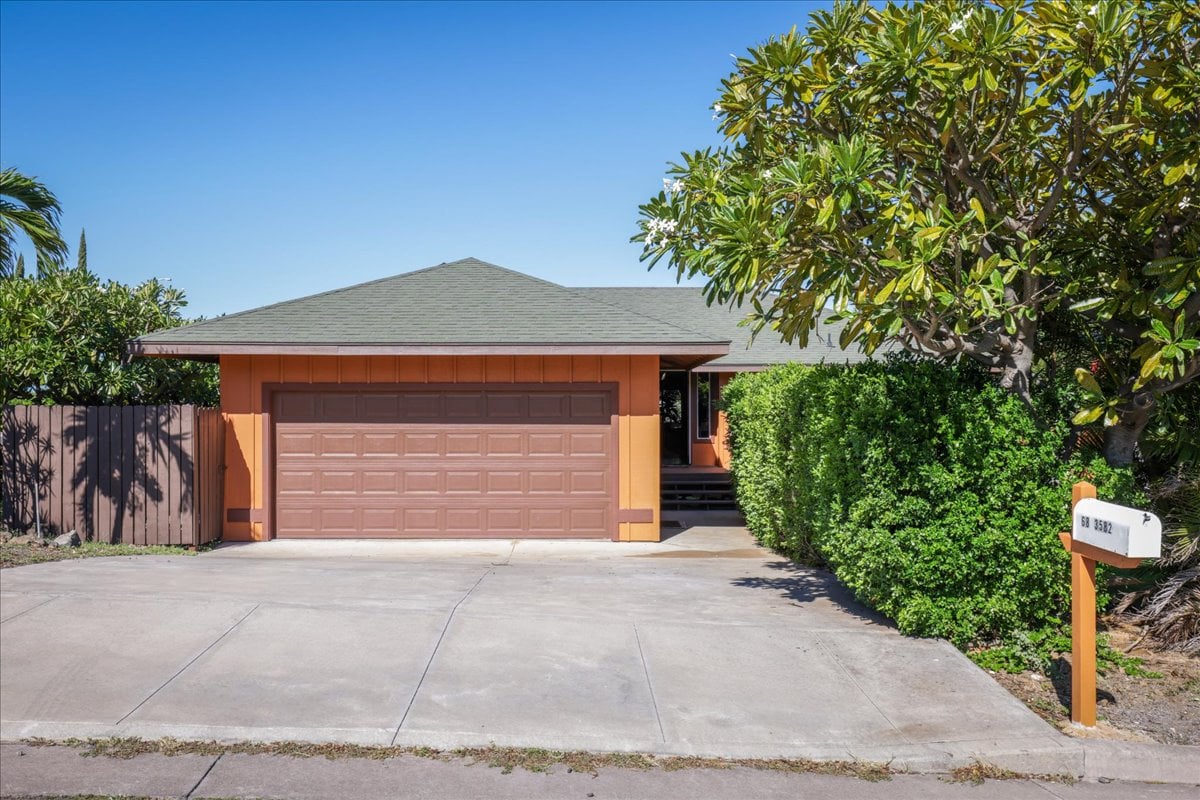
271	390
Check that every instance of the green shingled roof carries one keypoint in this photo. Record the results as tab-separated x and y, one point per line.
687	304
462	302
471	303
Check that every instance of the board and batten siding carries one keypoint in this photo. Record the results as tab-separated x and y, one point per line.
243	379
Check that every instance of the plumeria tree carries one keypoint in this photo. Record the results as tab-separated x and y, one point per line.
946	174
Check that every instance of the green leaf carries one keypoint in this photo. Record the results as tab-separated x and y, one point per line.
1088	305
1087	382
977	207
886	291
1086	416
1175	174
1149	366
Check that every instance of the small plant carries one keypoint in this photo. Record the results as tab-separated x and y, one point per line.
1037	651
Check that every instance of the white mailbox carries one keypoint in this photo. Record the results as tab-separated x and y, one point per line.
1125	531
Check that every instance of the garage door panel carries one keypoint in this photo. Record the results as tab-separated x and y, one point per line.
547	444
386	445
464	444
459	481
507	406
505	444
505	482
444	463
589	482
424	482
419	444
291	481
300	444
463	406
464	520
376	482
505	520
339	407
338	482
426	520
588	444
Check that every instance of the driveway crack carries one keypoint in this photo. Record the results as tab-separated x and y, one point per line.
192	791
433	655
649	684
26	611
194	659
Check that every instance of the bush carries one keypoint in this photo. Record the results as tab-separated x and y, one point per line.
934	495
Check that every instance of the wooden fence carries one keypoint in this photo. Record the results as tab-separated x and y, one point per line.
133	474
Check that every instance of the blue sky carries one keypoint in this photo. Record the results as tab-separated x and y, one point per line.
256	152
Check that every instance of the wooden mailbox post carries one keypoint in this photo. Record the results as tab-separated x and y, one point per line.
1145	543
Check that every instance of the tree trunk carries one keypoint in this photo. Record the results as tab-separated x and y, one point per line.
1016	373
1120	440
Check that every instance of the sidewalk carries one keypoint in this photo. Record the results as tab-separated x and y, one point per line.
27	771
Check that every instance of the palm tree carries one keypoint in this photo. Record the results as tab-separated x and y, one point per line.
29	207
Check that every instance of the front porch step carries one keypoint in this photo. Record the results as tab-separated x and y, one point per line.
700	491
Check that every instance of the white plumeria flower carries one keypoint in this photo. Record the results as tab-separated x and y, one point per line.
1185	201
672	186
717	110
958	25
1094	10
767	175
850	70
659	230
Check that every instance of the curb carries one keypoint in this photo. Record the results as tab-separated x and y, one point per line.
1143	762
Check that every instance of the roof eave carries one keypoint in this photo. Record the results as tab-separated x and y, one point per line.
209	350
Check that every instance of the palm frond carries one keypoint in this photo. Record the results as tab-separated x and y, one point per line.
28	207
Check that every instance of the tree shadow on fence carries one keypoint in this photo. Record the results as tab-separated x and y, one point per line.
134	472
112	473
26	456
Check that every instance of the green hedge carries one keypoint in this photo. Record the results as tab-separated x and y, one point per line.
934	495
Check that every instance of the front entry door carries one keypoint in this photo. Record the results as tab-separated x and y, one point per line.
673	413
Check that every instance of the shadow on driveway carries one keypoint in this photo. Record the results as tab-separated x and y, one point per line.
803	585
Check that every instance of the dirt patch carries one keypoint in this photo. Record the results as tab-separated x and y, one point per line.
22	550
1165	709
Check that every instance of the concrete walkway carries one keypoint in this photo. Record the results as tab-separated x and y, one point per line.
61	771
702	645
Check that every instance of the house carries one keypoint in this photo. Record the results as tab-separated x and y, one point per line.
468	400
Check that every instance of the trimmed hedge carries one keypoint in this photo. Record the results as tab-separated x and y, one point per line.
934	495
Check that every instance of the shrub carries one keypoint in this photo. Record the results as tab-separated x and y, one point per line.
934	495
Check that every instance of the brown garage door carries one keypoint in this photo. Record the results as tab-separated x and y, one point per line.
445	463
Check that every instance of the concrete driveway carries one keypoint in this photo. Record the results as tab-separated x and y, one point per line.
704	644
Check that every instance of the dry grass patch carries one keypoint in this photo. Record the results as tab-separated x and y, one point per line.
506	759
979	772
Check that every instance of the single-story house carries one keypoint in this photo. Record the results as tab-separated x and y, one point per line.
468	400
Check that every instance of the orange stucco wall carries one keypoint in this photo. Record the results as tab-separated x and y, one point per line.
714	451
242	379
